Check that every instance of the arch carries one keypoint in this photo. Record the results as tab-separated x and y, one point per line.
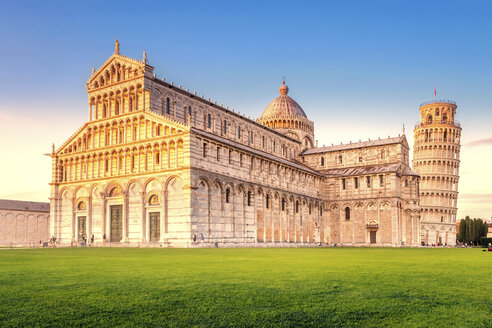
81	206
152	184
115	192
154	199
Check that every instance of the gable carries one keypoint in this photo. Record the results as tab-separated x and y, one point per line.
130	128
117	68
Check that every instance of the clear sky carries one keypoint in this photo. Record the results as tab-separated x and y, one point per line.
359	69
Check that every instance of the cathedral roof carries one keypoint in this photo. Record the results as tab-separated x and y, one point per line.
282	106
369	169
355	145
255	151
20	205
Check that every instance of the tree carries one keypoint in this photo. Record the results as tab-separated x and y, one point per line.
485	229
468	235
471	231
462	231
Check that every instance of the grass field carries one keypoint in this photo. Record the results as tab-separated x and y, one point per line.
366	287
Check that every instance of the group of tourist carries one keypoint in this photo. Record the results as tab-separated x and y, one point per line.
202	238
84	240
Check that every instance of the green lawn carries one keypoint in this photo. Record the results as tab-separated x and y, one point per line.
366	287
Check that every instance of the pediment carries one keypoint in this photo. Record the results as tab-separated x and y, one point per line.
404	141
77	142
114	66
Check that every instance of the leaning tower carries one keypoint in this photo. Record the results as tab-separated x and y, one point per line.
436	158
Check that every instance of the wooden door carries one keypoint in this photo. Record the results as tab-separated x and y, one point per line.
373	237
81	227
116	223
155	226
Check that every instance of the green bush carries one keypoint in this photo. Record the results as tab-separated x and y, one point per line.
486	241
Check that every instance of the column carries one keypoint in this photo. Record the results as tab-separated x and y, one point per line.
125	216
163	218
106	219
89	216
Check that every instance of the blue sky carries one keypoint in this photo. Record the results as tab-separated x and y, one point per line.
359	69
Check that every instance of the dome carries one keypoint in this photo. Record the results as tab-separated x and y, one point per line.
282	106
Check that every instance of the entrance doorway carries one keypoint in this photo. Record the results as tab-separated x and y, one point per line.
372	234
155	226
81	225
116	223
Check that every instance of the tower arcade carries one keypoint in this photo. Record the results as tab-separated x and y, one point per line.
436	159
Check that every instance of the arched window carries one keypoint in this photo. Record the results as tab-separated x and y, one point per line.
283	204
444	118
297	206
274	146
239	132
168	105
188	117
81	206
154	200
209	121
249	197
225	127
437	112
115	192
62	175
340	158
267	198
429	119
445	137
228	195
347	213
322	161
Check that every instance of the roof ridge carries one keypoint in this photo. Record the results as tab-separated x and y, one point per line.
24	205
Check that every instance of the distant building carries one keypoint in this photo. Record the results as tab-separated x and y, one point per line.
156	164
23	223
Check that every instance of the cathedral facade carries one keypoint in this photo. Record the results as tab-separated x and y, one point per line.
158	165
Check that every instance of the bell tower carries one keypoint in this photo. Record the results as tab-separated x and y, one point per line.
436	158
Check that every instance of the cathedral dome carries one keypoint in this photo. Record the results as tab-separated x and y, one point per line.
283	106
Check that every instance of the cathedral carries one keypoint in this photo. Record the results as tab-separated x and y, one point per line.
158	165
